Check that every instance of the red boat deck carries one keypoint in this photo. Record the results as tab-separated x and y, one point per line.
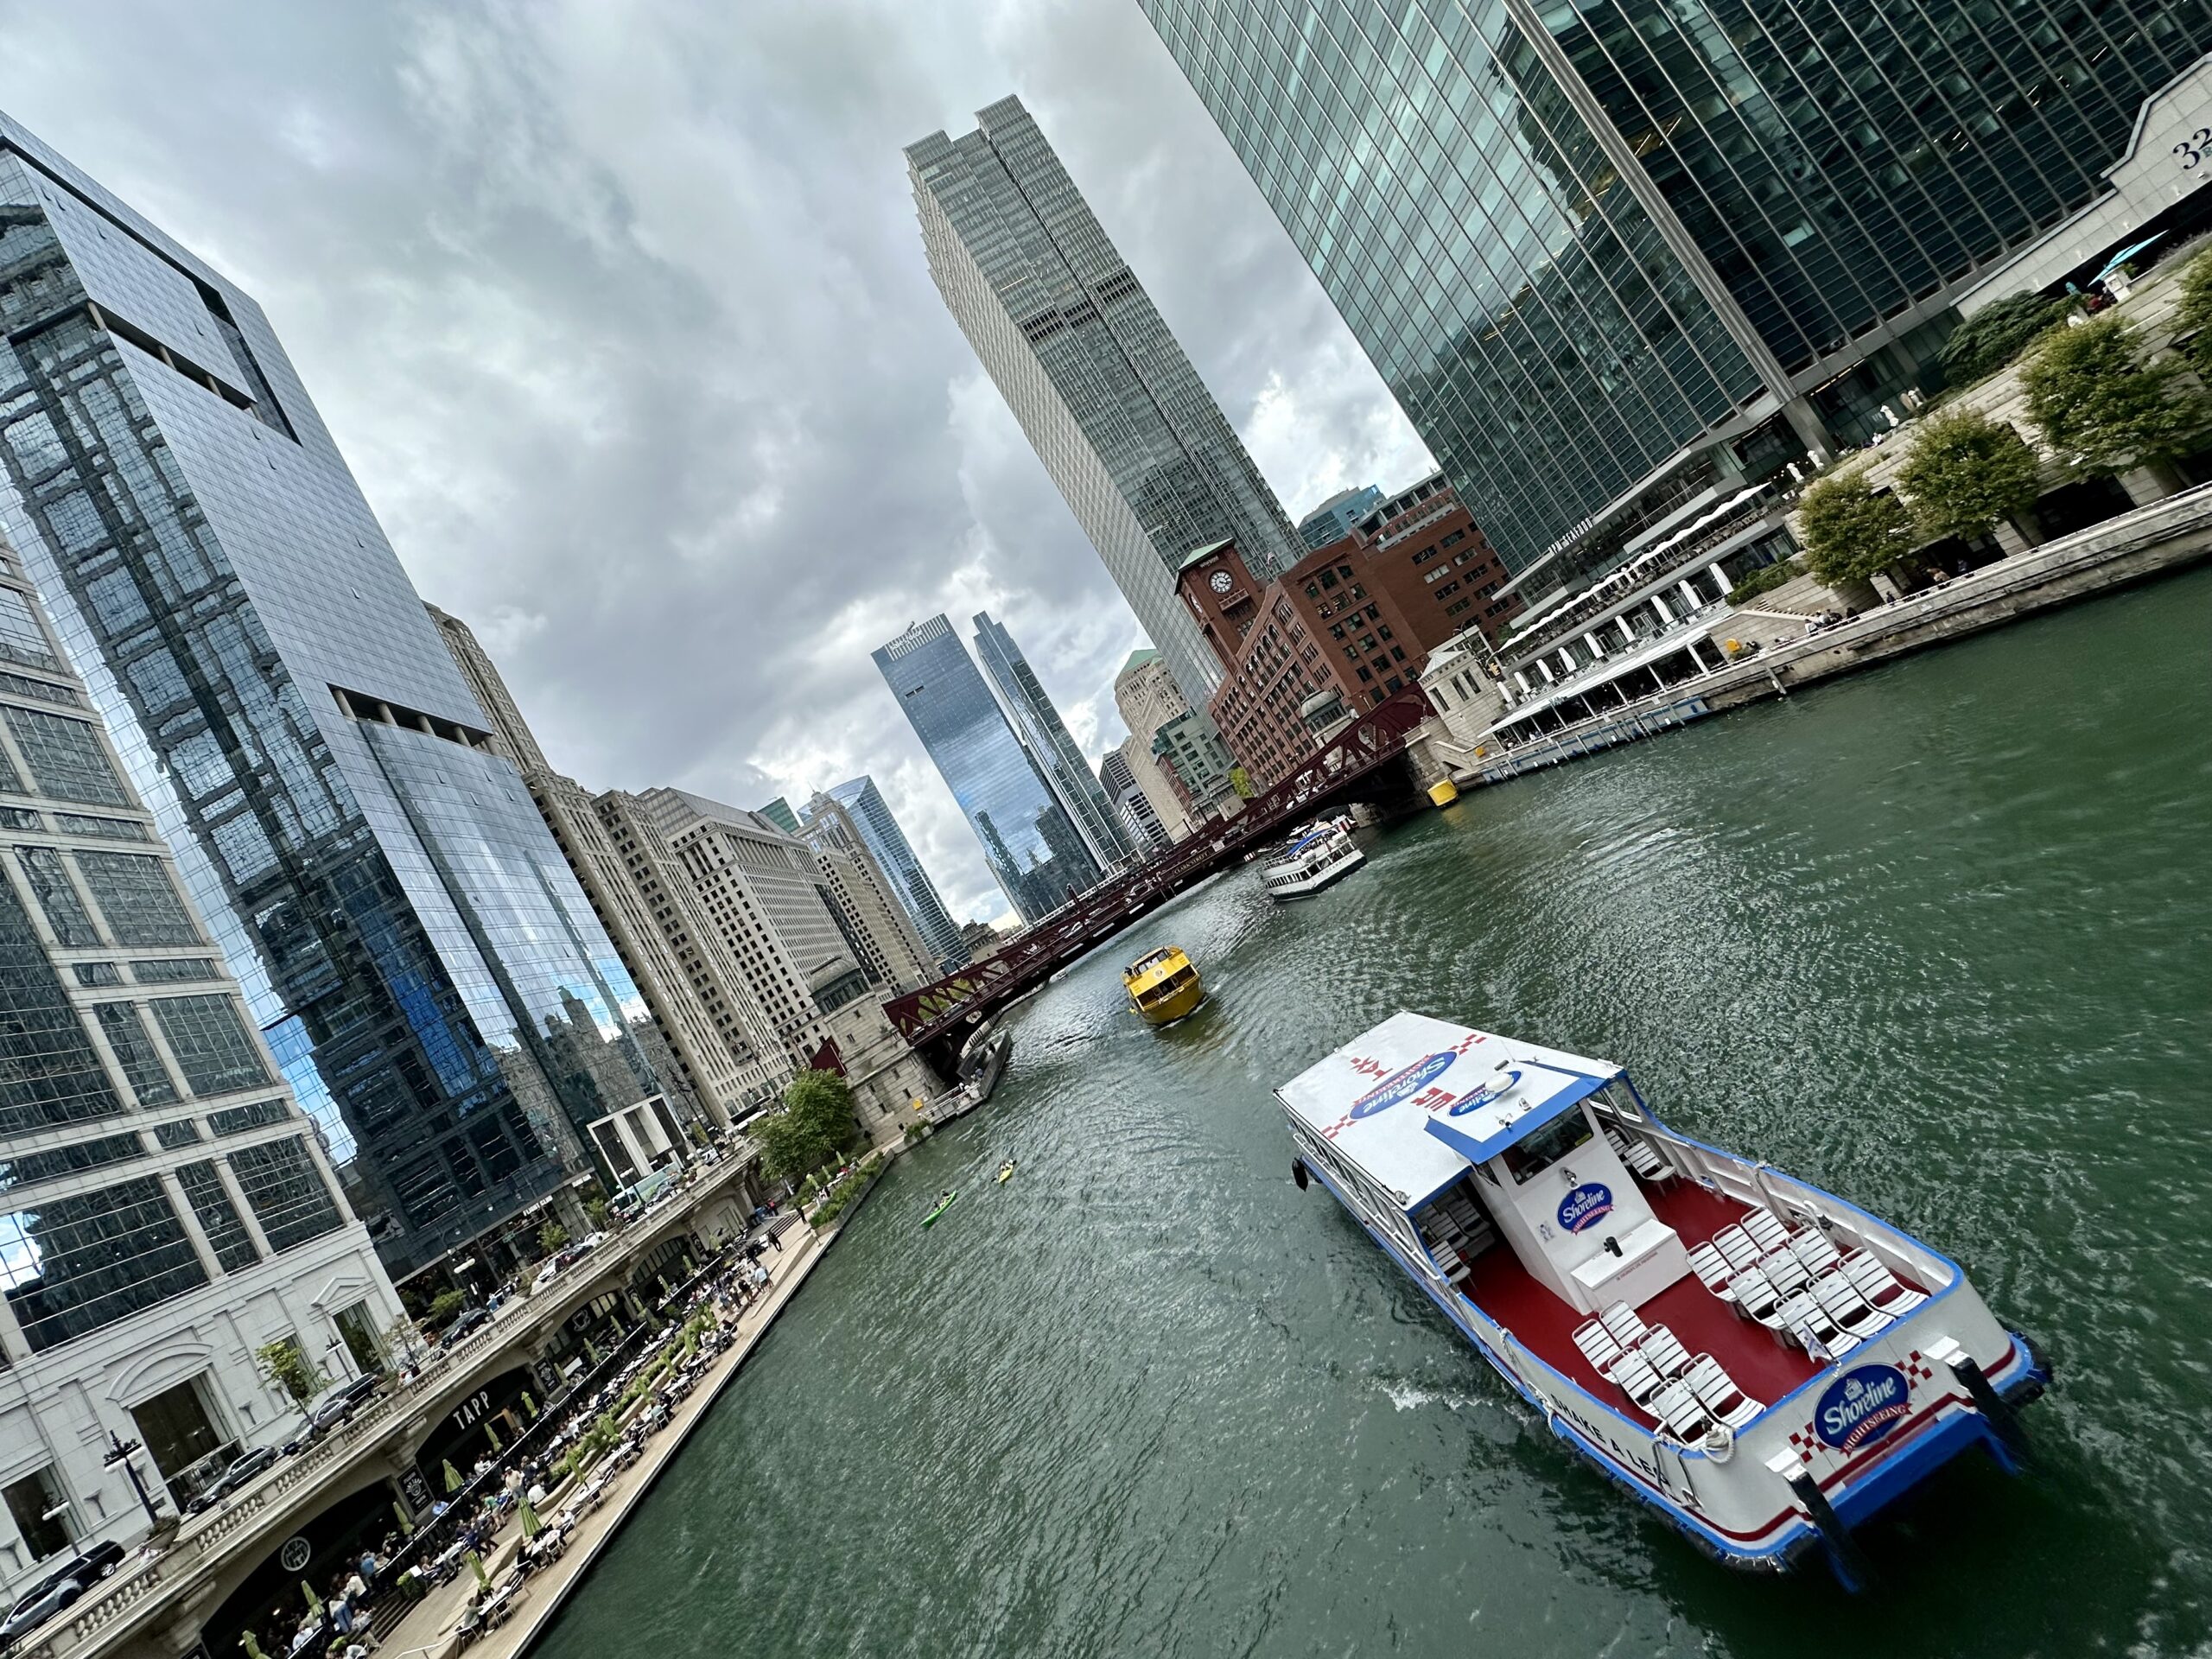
1761	1364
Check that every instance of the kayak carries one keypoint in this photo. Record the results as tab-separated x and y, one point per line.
1005	1170
944	1204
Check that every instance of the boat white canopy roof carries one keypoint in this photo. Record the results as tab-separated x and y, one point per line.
1416	1101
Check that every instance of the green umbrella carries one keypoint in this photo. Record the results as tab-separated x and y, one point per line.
315	1602
453	1477
493	1434
591	1351
476	1566
530	1405
532	1526
406	1526
253	1648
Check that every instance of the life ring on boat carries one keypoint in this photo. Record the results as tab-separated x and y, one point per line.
1298	1172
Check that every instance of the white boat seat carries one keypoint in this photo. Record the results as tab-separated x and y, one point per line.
1815	1327
1882	1288
1637	1377
1736	1245
1621	1321
1766	1230
1677	1408
1719	1394
1661	1347
1756	1296
1843	1304
1712	1270
1598	1346
1785	1273
1815	1251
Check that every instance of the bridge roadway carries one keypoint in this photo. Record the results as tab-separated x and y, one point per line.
937	1019
156	1604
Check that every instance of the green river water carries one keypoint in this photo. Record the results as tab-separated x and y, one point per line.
1935	937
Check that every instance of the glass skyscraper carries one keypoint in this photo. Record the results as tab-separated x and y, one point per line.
1620	259
412	944
1032	847
871	815
1038	725
1332	520
1120	418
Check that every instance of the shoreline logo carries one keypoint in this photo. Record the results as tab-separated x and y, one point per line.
1399	1085
1475	1099
1862	1406
1586	1206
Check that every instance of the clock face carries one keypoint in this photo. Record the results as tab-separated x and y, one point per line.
1221	581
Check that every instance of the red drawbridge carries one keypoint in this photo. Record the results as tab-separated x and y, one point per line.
952	1006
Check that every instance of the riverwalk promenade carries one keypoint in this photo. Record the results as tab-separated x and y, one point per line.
431	1629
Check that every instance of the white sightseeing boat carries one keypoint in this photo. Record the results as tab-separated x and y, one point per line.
1766	1364
1322	853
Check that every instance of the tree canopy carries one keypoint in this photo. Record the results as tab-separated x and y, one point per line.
1994	335
1965	472
815	1125
284	1363
2095	398
1851	531
2193	315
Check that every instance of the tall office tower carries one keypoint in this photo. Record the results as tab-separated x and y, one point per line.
871	815
779	813
419	957
867	893
1120	418
169	1208
1031	845
1038	725
1332	520
1139	818
1621	263
823	976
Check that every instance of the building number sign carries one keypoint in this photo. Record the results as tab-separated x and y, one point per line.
2193	149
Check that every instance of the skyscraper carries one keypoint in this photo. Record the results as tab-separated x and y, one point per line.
1621	263
871	815
866	893
1029	842
1038	725
417	952
1120	418
1119	779
170	1209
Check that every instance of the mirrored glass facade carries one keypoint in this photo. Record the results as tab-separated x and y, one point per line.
1120	418
1032	849
871	815
413	947
1611	254
1038	725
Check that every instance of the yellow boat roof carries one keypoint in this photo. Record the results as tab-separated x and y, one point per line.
1147	971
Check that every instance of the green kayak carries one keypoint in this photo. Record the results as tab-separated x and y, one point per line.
942	1204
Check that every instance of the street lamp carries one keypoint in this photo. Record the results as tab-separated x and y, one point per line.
56	1514
119	1451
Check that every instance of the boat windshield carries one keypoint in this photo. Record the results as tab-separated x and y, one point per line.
1530	1156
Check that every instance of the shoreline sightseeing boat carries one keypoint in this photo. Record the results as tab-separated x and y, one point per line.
1318	856
1766	1364
1163	986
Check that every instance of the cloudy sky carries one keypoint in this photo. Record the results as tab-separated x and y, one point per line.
617	309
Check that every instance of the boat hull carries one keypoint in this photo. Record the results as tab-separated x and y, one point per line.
1181	1006
1760	1506
1307	886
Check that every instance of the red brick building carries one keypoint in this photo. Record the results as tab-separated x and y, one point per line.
1322	641
1432	558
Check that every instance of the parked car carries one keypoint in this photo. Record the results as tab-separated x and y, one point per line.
332	1407
243	1470
469	1319
60	1589
546	1274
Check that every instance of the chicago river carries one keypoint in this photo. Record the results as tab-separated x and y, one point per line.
1934	937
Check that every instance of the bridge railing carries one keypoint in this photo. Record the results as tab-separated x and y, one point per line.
1376	738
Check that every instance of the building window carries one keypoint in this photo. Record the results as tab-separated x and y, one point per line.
66	758
169	970
96	973
77	1263
211	1044
183	1133
1454	539
33	1500
65	912
126	1034
1365	673
219	1217
286	1192
1397	653
238	1120
24	1168
134	892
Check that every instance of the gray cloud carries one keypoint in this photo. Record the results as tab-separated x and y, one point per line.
620	314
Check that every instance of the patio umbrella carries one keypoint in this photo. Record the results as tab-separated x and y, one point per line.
532	1526
453	1477
493	1434
315	1602
2125	255
406	1526
530	1405
476	1566
253	1648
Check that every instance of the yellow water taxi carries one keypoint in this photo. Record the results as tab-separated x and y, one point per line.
1163	987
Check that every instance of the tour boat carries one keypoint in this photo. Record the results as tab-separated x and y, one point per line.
1318	855
1767	1366
1163	986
